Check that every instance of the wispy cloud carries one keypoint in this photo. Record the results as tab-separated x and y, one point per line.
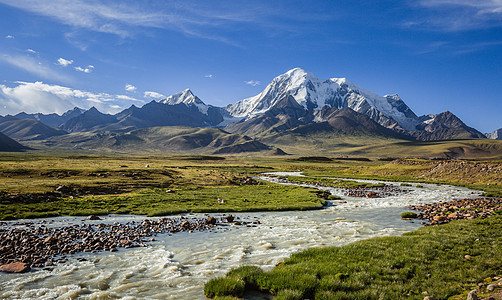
209	76
154	95
31	51
130	88
87	69
29	64
34	97
125	97
64	62
458	15
9	36
190	17
252	82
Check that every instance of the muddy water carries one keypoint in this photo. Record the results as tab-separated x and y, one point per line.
177	266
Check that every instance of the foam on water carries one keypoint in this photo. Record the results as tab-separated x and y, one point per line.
177	266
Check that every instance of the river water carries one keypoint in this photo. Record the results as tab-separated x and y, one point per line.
177	266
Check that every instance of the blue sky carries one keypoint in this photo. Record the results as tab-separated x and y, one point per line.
436	54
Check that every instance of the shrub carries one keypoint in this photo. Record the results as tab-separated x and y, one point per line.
409	215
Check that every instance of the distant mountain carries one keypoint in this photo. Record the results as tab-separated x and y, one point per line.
313	93
444	126
53	120
182	109
9	145
27	129
496	135
89	120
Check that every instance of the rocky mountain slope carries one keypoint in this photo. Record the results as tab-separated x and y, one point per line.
496	135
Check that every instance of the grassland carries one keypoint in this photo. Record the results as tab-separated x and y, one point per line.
46	186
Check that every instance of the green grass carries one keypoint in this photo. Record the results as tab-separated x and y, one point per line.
332	182
159	202
431	259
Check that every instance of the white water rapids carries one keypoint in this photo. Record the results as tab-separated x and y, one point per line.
177	266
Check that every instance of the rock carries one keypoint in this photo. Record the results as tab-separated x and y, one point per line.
428	298
473	295
237	223
492	287
229	218
185	224
15	267
93	217
439	218
211	221
147	166
467	256
371	195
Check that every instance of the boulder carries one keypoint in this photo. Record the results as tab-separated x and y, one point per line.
473	295
93	217
492	287
211	221
15	267
229	218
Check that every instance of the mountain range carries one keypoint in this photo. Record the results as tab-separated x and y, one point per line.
293	104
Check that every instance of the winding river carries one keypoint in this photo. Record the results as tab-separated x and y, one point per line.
177	266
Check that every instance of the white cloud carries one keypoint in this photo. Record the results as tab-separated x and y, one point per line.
209	76
29	64
154	95
9	36
85	70
32	97
64	62
31	51
130	88
252	82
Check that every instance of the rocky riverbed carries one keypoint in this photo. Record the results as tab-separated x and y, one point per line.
445	212
381	191
24	245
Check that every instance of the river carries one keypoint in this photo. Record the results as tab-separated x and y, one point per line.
177	266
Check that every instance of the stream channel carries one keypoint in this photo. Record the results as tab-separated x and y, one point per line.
177	266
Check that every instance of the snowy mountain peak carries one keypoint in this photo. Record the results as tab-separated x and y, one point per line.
188	98
313	93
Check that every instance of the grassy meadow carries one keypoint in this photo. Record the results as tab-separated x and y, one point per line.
47	185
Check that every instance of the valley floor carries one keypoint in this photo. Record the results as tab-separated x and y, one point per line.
432	260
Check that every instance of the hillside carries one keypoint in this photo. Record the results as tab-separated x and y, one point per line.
9	145
167	139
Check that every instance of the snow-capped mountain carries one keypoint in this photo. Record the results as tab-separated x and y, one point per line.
313	93
496	135
188	98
